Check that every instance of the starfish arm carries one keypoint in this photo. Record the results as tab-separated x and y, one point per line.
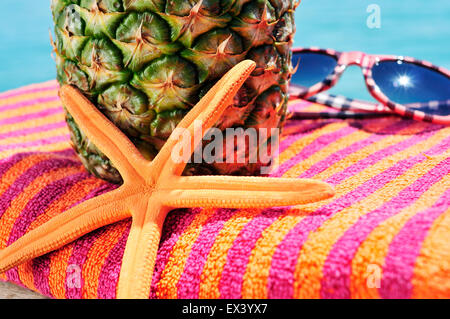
104	134
207	112
244	192
141	250
65	228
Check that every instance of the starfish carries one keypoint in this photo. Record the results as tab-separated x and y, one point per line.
151	189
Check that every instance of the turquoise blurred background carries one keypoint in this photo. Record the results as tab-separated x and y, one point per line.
415	28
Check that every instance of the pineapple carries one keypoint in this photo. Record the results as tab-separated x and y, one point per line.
146	63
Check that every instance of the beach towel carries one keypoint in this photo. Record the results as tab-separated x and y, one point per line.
386	233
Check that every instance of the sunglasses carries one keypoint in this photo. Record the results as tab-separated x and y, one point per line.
403	86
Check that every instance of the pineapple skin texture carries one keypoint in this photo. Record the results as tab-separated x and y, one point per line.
146	63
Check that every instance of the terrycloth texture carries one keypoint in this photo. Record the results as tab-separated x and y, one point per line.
385	234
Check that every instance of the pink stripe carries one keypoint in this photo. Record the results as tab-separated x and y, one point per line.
318	144
31	174
109	276
51	85
31	116
174	226
284	261
14	106
41	272
321	166
189	284
299	106
337	268
82	246
398	269
44	141
37	205
301	131
237	258
32	130
377	156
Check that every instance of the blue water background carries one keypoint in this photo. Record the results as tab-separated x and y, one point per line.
415	28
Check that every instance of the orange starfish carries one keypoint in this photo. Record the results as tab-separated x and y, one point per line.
151	189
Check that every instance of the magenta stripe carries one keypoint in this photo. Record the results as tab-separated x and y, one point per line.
312	148
109	275
377	156
343	153
78	258
31	116
25	178
41	201
44	141
9	162
232	277
18	105
82	246
41	272
174	226
398	269
32	130
51	85
287	253
337	268
189	284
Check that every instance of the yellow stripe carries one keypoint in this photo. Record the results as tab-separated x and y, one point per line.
34	137
308	273
217	256
363	153
374	248
370	172
27	97
304	141
32	123
30	109
167	287
257	273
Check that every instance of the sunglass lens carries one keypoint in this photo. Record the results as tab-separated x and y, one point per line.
414	86
313	67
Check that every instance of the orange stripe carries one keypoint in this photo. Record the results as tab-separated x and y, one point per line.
59	262
256	277
97	255
71	197
375	247
217	257
166	287
19	203
10	176
308	272
431	274
25	272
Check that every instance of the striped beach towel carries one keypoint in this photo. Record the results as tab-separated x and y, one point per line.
386	233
